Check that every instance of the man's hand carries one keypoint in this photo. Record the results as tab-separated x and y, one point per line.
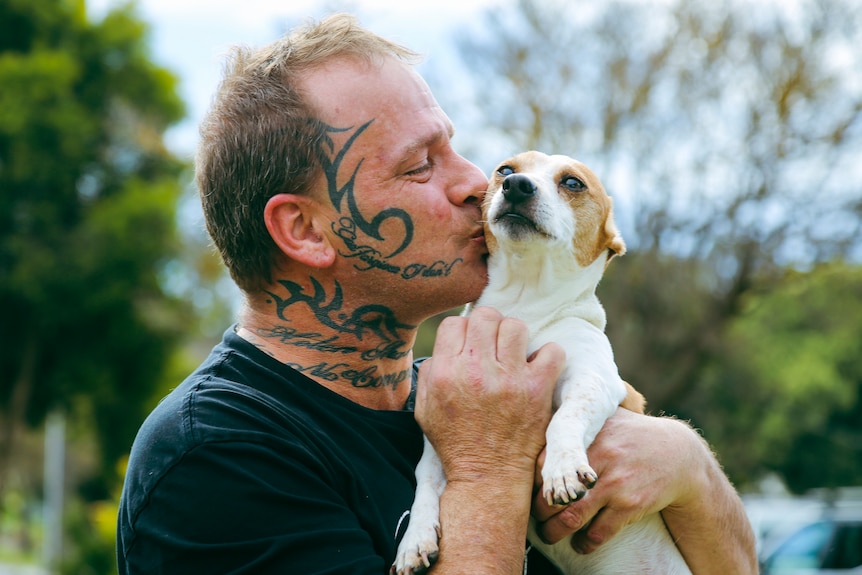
482	403
654	464
484	406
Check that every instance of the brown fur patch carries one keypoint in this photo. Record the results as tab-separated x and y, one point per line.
596	230
633	401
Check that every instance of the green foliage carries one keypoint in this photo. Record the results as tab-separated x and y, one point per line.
91	529
424	344
793	372
88	197
654	303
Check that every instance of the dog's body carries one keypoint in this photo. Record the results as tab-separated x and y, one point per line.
550	233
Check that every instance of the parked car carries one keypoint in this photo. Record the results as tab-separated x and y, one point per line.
827	546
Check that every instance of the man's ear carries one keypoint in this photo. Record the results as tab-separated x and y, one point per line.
295	224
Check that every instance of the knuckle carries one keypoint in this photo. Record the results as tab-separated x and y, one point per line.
629	501
594	538
452	321
486	312
514	324
571	518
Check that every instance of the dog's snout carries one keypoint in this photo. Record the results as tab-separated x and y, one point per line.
518	188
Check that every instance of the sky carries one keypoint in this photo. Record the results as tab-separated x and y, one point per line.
190	37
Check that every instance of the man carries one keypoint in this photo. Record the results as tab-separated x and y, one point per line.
331	189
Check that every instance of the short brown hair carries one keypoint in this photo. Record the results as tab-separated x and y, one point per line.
260	138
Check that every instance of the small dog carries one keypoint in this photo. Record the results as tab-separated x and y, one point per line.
550	232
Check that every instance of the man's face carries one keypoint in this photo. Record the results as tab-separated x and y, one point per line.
407	207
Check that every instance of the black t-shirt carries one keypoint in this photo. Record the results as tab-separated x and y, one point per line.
250	467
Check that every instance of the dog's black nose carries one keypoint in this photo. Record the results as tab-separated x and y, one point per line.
518	188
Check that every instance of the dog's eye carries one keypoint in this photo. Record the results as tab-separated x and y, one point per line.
505	170
574	184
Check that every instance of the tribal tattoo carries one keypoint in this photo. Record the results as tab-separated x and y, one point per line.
375	320
353	224
331	161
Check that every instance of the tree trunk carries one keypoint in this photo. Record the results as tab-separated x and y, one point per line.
13	420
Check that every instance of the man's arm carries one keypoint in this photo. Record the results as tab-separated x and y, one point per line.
711	527
649	464
485	410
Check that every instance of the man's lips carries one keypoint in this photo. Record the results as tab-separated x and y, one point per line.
478	239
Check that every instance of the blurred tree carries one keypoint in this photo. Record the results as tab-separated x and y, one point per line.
728	132
88	197
792	370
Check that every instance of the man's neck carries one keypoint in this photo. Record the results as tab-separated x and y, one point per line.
364	355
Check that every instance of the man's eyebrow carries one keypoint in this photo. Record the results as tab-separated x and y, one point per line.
427	142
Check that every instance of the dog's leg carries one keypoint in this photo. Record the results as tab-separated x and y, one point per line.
585	401
418	548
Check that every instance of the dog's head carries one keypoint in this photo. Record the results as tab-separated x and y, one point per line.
553	199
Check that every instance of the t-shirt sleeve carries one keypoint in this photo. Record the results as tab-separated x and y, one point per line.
259	509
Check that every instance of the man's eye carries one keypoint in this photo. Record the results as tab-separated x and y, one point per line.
573	184
420	170
505	170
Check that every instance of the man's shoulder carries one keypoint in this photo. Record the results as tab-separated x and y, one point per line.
228	397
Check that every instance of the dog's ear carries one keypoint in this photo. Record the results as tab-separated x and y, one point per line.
613	240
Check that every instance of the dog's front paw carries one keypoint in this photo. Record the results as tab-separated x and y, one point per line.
418	550
566	480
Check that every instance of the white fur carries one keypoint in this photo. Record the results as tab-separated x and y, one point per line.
534	275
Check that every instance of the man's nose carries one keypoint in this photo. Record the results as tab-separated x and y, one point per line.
471	184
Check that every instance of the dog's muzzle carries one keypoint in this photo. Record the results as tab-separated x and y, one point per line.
517	212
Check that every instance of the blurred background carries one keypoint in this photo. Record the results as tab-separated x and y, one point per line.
728	133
